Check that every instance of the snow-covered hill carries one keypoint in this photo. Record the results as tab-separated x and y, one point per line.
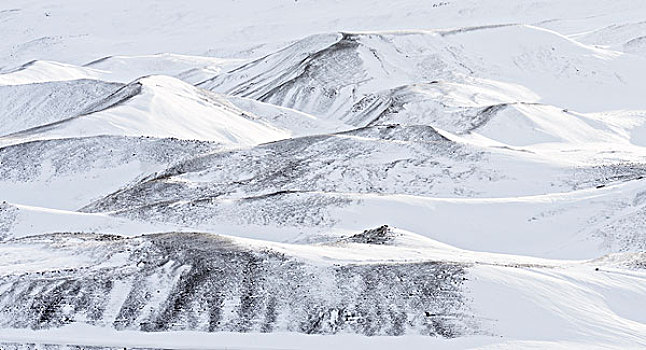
154	106
327	74
316	174
67	173
28	106
210	283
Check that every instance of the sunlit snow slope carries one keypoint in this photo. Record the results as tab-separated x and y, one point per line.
316	174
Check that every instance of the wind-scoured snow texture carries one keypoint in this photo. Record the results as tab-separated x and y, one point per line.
326	74
69	173
209	283
319	173
377	159
24	107
8	215
166	107
502	133
381	159
591	222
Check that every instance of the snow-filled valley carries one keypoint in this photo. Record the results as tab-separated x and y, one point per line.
312	174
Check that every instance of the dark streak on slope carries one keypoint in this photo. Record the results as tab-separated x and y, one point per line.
302	165
186	281
118	97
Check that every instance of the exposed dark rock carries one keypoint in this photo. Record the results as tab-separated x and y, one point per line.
379	235
186	281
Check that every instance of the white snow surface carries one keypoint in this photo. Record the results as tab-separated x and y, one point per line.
507	138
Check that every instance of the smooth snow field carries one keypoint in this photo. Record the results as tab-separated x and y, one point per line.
316	174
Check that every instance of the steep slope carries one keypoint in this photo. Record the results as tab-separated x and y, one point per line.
76	149
238	288
427	172
163	282
393	159
454	107
321	74
325	75
488	109
590	222
296	189
381	159
69	173
28	106
162	107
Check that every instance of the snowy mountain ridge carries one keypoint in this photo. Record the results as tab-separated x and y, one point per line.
304	174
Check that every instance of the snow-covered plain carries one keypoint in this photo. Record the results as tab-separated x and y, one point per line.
313	174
